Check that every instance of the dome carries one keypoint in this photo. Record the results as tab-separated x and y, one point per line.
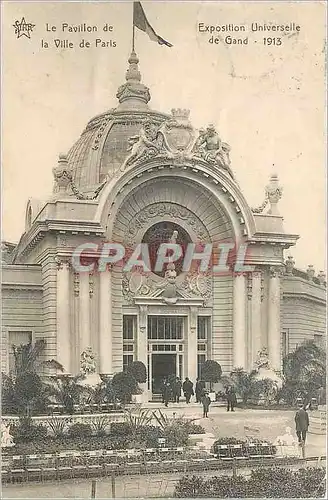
104	144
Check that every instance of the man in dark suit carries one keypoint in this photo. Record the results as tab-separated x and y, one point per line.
302	424
231	398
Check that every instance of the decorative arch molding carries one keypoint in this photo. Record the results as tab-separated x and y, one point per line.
168	211
215	183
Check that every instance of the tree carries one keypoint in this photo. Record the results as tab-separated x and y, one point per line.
124	385
138	370
304	371
24	390
66	390
211	372
243	382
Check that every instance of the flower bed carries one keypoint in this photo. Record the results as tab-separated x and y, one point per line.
263	483
230	447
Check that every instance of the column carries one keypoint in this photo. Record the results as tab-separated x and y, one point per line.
256	342
63	315
274	341
142	345
105	323
84	312
192	346
239	321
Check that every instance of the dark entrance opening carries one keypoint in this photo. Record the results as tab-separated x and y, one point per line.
163	366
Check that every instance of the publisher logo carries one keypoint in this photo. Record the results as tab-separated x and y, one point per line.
22	28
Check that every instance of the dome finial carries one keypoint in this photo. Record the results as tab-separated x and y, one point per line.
133	73
133	93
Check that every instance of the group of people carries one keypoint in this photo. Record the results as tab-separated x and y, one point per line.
171	391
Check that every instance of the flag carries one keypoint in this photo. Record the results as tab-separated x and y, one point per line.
140	21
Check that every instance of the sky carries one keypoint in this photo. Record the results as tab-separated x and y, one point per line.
266	101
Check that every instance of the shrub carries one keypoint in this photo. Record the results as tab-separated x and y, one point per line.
79	430
189	426
119	429
58	425
138	370
175	435
270	482
124	385
148	436
99	424
26	432
211	371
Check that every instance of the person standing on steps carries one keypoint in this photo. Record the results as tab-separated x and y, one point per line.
188	389
199	390
206	401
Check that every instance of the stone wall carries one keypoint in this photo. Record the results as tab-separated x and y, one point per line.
303	311
21	307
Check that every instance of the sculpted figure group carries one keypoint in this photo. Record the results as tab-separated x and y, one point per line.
152	142
210	147
149	143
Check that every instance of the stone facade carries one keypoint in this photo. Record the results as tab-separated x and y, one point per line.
136	174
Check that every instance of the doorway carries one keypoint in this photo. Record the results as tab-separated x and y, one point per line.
163	366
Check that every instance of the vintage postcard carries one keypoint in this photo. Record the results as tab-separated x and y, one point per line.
163	249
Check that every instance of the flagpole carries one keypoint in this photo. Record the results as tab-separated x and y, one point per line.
133	27
132	37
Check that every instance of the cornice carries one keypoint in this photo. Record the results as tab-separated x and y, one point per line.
41	228
303	296
279	239
22	286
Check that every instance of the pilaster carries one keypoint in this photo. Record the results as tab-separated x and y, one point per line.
239	321
105	323
63	314
192	345
274	329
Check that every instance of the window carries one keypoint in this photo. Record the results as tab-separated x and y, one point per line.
16	339
165	327
201	358
129	327
203	327
285	343
129	339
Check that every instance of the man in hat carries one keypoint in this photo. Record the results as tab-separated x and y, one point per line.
302	424
206	401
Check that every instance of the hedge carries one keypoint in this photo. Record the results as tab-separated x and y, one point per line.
273	482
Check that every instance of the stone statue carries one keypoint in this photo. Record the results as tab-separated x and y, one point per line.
88	369
88	362
6	438
174	237
265	372
212	149
149	143
262	360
